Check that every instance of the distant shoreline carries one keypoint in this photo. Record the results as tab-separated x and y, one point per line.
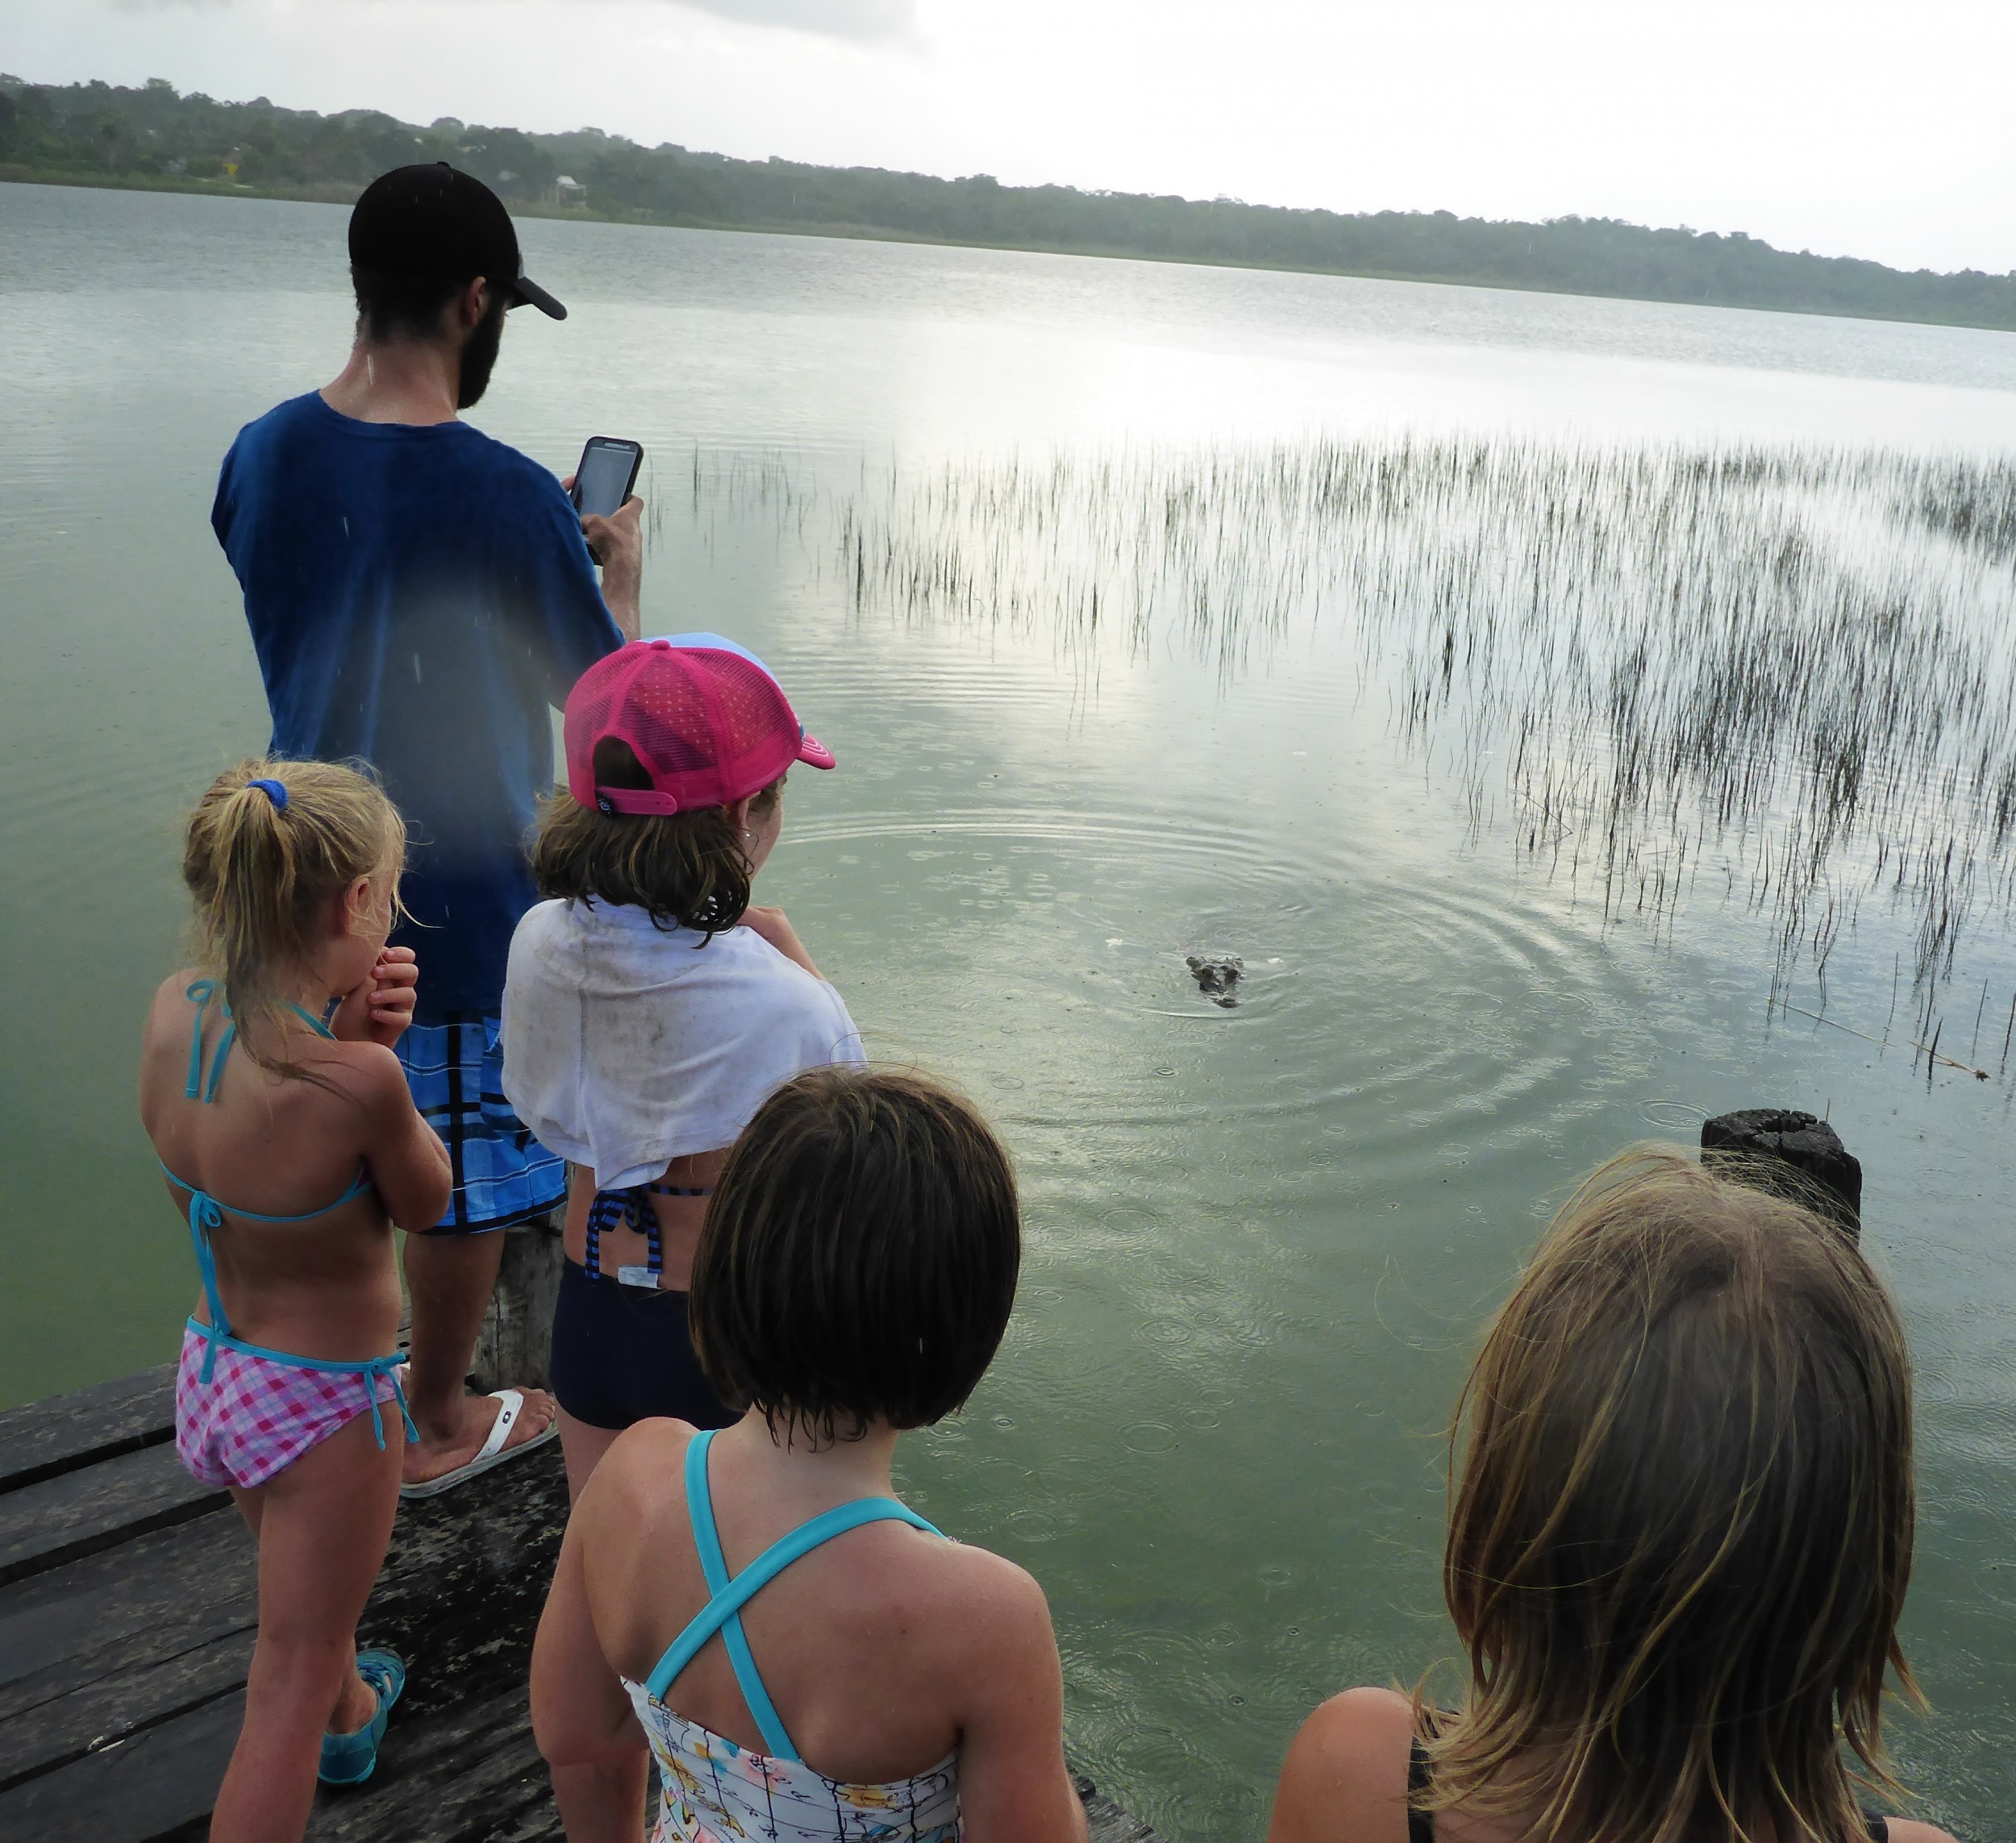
345	195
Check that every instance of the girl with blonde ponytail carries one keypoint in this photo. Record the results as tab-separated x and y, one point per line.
292	1167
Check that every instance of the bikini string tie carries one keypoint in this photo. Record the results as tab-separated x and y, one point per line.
204	1217
368	1375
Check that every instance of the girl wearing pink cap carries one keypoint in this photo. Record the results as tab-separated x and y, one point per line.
649	1009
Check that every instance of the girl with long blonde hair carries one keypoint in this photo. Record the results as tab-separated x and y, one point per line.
1679	1540
286	1136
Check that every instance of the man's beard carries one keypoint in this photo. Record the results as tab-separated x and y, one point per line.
479	357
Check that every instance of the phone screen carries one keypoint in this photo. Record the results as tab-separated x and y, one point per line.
605	471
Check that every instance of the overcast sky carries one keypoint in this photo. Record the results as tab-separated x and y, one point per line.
1880	130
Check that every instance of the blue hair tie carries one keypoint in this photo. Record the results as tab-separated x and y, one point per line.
273	790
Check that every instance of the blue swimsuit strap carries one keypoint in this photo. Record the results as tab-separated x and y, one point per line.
722	1613
199	992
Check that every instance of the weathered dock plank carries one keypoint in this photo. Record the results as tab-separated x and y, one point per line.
137	1790
460	1594
152	1599
61	1518
1108	1823
128	1607
67	1431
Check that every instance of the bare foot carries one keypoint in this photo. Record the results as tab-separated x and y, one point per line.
428	1459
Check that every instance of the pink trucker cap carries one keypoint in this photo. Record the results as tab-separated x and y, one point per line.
704	716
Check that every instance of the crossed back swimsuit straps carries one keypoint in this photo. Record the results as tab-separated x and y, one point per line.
631	1208
1421	1824
712	1787
206	1214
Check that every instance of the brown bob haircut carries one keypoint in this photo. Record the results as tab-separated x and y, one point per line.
1681	1534
860	1257
687	870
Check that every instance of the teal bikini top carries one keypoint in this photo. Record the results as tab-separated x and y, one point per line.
205	1213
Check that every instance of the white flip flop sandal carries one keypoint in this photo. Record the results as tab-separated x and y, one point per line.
493	1452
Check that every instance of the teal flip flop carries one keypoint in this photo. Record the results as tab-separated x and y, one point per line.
350	1759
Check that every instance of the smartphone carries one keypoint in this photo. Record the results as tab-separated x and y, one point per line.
608	471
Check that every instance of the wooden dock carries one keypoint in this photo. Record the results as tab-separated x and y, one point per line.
128	1603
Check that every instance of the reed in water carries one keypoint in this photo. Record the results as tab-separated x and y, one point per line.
1778	675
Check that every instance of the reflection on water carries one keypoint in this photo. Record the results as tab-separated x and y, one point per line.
1260	1240
1786	673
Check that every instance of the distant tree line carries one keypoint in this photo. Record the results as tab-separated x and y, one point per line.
97	133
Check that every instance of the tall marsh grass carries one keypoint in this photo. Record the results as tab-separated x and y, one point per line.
1790	674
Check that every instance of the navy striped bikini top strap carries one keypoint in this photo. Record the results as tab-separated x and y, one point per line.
629	1207
1421	1824
723	1612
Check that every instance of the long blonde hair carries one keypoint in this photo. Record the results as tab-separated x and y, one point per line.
1681	1533
262	877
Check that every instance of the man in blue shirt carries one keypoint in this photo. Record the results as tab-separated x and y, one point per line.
422	595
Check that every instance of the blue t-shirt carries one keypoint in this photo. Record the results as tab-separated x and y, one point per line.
420	596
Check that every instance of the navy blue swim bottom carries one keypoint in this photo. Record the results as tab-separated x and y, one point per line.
623	1353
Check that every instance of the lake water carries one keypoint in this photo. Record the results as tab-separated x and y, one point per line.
1153	611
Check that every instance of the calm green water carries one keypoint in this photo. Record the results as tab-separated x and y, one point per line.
1261	1240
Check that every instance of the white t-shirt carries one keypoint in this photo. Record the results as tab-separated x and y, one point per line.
626	1045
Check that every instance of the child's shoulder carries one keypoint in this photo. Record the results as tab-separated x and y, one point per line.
643	1471
542	922
1364	1726
186	1001
180	988
372	1073
1351	1754
1000	1603
164	1036
1346	1773
345	1075
562	926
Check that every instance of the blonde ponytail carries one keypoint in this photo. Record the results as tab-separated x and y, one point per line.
263	865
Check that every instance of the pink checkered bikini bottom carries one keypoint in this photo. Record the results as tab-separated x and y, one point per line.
259	1410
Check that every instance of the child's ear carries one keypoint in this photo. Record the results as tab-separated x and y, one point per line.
355	906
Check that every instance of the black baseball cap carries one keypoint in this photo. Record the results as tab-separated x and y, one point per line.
433	221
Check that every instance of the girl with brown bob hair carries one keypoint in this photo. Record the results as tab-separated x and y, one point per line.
806	1657
1678	1541
650	1006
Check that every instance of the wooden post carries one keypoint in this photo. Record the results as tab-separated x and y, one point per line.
1751	1146
515	1345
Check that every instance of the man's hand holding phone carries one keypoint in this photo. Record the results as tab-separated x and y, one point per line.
621	532
612	522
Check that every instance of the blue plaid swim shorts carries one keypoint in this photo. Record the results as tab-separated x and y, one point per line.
503	1176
